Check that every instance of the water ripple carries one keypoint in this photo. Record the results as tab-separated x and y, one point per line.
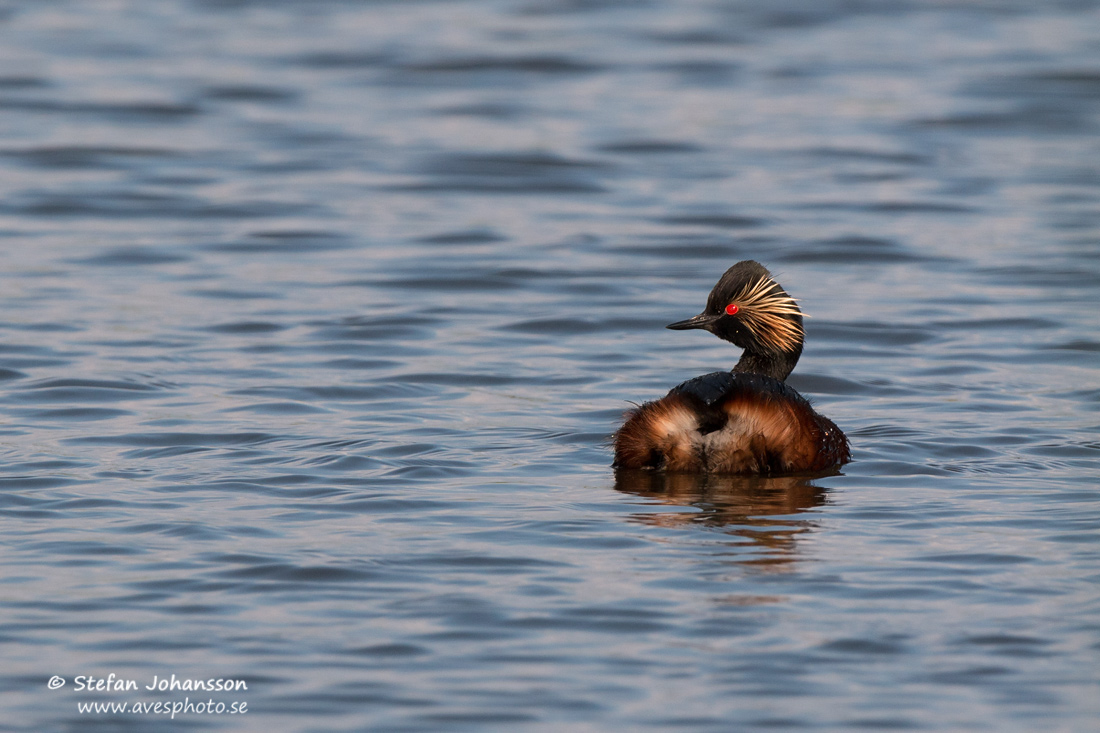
318	319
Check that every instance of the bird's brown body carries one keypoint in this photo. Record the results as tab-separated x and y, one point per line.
748	421
756	425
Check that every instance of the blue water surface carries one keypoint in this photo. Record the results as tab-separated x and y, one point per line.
316	319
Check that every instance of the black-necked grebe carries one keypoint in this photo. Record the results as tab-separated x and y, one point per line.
746	421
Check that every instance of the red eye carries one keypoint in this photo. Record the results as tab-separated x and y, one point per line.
731	309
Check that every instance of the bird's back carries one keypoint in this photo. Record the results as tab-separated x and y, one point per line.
730	422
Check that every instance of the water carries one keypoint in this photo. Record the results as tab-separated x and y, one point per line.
317	318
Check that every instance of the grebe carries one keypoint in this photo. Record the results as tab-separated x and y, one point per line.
747	421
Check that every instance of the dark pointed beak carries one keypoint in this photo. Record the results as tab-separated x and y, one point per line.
702	320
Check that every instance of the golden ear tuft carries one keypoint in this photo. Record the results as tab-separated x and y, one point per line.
763	305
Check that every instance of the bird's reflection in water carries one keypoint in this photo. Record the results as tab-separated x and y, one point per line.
766	514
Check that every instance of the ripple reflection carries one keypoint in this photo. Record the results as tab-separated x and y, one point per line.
764	513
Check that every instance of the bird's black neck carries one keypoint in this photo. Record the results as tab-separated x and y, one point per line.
774	364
